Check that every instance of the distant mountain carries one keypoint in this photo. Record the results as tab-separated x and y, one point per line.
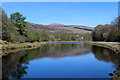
82	27
62	27
56	24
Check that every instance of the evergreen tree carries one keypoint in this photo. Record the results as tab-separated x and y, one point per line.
19	20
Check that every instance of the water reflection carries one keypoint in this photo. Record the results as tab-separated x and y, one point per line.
104	54
12	66
15	64
107	55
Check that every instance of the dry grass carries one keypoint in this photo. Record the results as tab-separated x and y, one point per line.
12	46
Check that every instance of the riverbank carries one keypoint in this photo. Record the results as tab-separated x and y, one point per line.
13	47
7	47
112	46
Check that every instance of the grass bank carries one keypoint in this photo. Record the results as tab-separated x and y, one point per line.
113	46
7	47
13	47
21	45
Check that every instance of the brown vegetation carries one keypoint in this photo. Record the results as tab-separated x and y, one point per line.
109	32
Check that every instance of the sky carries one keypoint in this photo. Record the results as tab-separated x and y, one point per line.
69	13
59	0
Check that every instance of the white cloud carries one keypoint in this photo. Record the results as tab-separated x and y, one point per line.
60	0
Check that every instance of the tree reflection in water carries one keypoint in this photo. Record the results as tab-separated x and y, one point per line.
104	54
15	64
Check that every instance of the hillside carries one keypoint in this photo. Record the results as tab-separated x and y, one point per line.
29	32
61	27
9	30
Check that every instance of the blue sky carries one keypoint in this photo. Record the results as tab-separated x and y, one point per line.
75	13
60	0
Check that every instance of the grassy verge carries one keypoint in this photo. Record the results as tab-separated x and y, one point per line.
113	46
12	47
21	45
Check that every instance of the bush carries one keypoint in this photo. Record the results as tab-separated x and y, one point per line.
42	35
30	35
107	32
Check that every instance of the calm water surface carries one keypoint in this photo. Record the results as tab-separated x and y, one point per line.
63	60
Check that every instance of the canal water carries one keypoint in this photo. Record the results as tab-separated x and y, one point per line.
61	60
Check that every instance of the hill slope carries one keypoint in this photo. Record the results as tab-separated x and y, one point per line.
41	33
9	30
61	27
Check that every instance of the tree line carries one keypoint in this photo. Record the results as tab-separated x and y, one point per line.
108	32
14	29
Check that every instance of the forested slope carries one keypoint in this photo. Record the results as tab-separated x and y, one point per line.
16	29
